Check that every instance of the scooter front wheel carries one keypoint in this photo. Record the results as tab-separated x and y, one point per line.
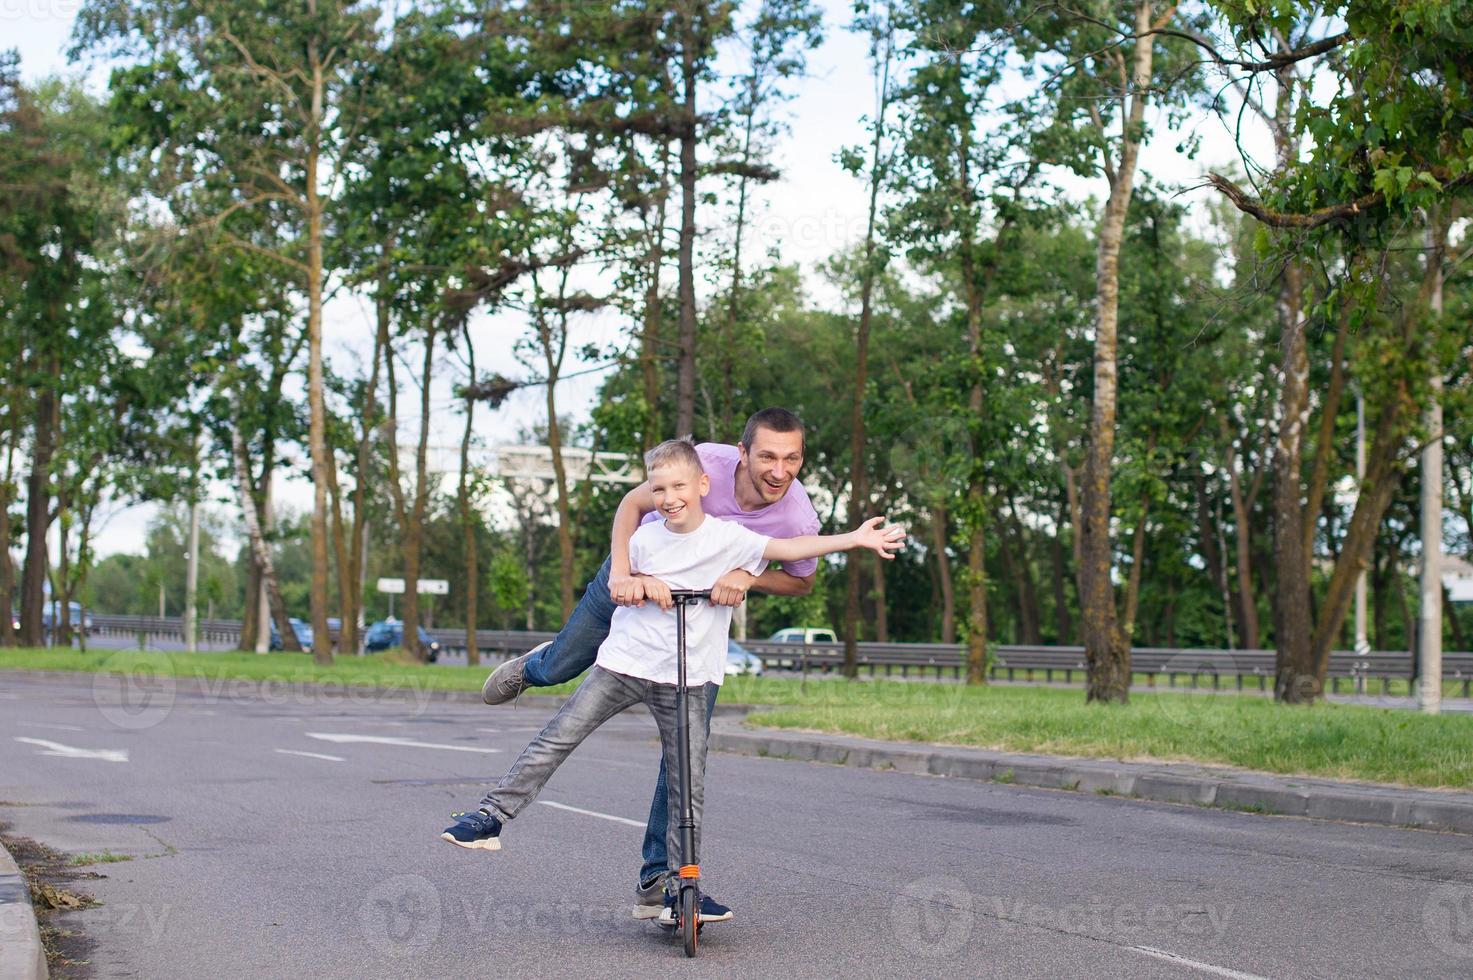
690	904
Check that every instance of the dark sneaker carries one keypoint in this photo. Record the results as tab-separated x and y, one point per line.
477	830
506	681
711	911
649	897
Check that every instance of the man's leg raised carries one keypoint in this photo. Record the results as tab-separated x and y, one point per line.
567	655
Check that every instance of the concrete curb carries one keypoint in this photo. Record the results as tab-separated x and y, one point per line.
22	957
1208	786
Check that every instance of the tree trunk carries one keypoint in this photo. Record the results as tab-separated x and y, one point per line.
939	537
250	618
356	557
1063	624
1133	581
649	350
976	596
7	565
316	404
413	529
858	472
38	508
1295	680
1107	650
685	383
258	542
467	510
1247	595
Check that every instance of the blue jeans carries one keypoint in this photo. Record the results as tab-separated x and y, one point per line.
571	653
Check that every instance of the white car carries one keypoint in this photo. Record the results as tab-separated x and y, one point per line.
803	634
740	660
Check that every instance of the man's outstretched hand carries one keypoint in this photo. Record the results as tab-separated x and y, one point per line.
882	541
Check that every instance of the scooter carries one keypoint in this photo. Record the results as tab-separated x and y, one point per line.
688	899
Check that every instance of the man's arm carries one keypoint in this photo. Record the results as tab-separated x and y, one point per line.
624	588
731	588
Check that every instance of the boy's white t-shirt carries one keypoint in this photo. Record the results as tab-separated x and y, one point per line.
641	640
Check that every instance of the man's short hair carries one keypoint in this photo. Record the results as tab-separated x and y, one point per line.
776	419
674	451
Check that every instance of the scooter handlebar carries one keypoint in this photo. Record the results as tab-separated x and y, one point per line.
689	595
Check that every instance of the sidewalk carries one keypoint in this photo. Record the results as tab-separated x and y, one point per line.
22	957
1198	785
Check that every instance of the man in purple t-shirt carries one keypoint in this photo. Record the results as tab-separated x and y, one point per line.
754	484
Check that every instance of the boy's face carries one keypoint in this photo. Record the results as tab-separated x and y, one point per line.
678	489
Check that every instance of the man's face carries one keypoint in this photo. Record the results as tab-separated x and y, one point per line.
773	462
678	489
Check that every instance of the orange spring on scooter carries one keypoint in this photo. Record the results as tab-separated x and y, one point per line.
690	871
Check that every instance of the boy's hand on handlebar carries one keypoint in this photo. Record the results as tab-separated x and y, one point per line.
657	592
882	541
731	588
627	590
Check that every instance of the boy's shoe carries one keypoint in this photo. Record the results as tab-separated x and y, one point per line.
507	681
478	830
711	911
649	897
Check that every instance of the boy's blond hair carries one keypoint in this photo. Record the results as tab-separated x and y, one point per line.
673	451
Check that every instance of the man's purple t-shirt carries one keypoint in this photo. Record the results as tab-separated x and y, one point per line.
790	517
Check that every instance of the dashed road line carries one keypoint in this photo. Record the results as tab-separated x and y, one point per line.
392	740
1218	971
594	813
313	755
72	752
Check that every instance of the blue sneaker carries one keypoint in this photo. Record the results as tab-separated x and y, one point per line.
477	830
711	911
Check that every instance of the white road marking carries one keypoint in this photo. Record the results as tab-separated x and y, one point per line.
313	755
59	728
391	740
1220	971
72	752
593	813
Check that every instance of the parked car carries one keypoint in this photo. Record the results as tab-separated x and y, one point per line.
388	633
740	660
803	634
51	617
302	629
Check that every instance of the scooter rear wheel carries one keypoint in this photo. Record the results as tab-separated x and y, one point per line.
689	918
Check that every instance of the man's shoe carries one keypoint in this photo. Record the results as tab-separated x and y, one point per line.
649	897
507	681
478	830
711	911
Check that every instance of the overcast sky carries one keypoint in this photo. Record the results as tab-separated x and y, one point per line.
812	212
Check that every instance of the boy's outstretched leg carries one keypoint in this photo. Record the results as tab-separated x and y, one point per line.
600	697
566	656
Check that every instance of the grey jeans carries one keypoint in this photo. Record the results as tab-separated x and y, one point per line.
602	695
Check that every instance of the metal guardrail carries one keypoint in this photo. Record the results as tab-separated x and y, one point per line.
1189	666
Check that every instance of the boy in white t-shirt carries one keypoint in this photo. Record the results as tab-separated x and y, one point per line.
637	662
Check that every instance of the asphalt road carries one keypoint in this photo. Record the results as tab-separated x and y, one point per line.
291	835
